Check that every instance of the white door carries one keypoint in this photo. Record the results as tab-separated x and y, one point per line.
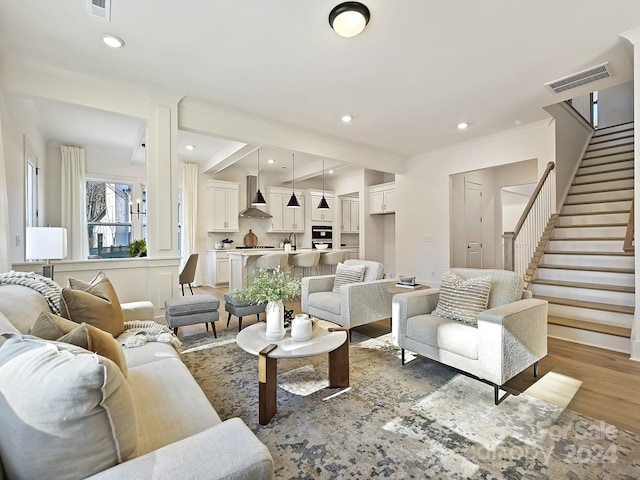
473	223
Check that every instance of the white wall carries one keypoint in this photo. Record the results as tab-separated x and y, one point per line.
423	193
615	105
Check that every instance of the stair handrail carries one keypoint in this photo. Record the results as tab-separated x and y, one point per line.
532	200
534	219
628	237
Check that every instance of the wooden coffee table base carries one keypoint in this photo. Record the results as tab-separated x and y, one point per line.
268	377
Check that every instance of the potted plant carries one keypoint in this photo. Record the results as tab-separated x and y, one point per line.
138	248
273	286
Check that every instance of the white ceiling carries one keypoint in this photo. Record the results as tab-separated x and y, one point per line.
417	70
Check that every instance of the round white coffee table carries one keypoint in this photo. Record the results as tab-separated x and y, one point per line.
327	337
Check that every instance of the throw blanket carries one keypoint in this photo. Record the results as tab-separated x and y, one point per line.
49	289
138	332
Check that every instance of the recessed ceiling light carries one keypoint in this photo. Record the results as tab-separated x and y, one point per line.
330	171
112	41
517	122
190	147
271	160
346	118
462	125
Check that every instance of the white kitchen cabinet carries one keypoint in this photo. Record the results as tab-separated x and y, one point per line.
320	216
382	198
217	268
223	211
283	218
350	216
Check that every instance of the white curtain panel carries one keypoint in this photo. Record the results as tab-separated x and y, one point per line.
189	212
74	215
5	235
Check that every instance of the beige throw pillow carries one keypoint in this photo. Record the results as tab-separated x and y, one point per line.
50	326
95	303
70	413
347	274
98	341
461	299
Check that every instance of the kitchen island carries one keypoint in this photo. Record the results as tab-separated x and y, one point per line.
242	262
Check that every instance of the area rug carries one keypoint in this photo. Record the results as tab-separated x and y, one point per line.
420	420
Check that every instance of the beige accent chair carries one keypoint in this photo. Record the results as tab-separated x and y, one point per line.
510	336
188	273
356	304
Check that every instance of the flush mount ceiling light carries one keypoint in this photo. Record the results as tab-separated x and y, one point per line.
349	18
323	205
112	41
293	201
190	147
346	118
462	125
258	200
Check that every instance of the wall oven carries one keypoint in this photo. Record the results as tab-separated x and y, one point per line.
321	234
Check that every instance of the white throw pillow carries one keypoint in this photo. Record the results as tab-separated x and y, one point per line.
462	300
70	412
347	274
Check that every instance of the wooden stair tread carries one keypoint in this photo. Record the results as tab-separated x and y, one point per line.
573	239
598	149
590	326
589	225
607	254
604	190
595	182
591	286
600	140
606	307
594	213
600	172
595	202
605	155
587	269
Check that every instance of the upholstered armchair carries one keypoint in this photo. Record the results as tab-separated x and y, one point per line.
356	303
510	334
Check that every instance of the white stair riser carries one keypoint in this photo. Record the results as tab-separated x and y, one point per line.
611	261
589	162
599	197
596	218
597	207
604	136
586	232
615	128
608	151
610	142
584	294
614	319
604	176
602	246
605	168
592	187
594	339
582	276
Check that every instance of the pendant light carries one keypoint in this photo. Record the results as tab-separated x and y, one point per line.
323	205
258	200
293	201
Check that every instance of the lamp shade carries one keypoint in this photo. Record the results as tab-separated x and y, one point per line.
46	243
259	200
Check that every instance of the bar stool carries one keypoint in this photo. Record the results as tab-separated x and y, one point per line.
306	261
332	259
272	260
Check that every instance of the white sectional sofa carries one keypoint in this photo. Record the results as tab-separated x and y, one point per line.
158	421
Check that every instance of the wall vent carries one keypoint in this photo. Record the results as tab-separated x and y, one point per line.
589	75
100	9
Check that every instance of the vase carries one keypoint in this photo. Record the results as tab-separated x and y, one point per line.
275	321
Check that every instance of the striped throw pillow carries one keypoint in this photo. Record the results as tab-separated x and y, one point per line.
462	299
347	274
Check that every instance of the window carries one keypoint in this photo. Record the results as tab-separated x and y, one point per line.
109	219
31	186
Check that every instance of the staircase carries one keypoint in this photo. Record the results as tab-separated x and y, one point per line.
584	273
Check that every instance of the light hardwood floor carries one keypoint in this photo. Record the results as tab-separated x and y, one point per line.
599	383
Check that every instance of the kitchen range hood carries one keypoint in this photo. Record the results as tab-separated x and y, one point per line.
253	212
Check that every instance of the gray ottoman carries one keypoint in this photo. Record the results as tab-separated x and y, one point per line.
192	309
241	308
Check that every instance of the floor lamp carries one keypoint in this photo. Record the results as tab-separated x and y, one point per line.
46	243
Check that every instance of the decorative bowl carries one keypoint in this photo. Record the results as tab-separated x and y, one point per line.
322	246
406	280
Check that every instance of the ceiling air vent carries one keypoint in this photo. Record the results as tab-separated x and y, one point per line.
589	75
100	8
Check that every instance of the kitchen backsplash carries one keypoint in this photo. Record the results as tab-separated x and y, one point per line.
259	227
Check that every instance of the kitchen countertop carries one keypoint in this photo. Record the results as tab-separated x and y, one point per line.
253	252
